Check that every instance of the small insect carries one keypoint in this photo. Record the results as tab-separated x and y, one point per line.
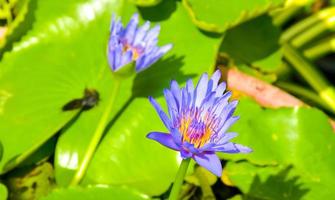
90	99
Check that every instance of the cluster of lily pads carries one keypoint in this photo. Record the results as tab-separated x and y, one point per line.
136	99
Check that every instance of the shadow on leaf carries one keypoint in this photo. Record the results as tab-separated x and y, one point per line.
277	186
160	12
152	81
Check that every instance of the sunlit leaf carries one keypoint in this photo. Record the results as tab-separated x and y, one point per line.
298	137
218	15
53	64
93	193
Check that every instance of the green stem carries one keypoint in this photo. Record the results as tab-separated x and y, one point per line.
207	192
320	49
305	24
298	28
305	93
311	75
179	179
308	35
285	15
97	135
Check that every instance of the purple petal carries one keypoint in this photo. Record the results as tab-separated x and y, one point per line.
208	102
207	147
157	53
172	105
213	82
210	161
110	57
227	124
185	154
220	103
190	147
176	135
140	34
190	86
164	139
113	44
215	79
185	102
116	54
126	58
227	111
244	149
220	89
164	49
116	25
201	90
151	37
142	62
190	90
129	32
149	58
232	148
176	93
226	138
161	113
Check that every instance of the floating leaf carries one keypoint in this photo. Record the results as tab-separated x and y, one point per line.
218	15
298	137
272	182
61	56
261	42
93	193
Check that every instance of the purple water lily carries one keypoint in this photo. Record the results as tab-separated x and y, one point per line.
134	44
198	123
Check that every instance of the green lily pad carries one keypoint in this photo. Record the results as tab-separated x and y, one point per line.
263	37
93	193
218	15
298	137
259	51
62	55
272	182
271	63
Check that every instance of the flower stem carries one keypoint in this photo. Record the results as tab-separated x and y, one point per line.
207	192
179	179
305	93
311	75
285	15
305	24
320	49
308	35
97	135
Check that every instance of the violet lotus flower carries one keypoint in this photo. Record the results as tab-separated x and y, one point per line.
199	120
134	44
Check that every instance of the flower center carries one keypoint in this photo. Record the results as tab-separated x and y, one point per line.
197	129
137	51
